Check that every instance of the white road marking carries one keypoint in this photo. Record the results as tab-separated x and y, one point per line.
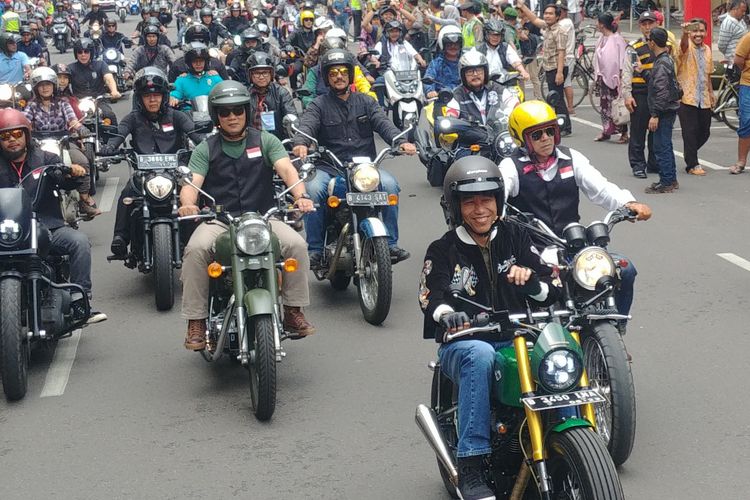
736	260
108	194
708	164
62	363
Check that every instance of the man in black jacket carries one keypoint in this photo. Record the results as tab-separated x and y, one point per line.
216	29
235	22
494	264
113	39
154	127
18	157
663	102
270	101
196	33
344	122
94	15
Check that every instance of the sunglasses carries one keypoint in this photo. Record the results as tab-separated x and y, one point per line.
8	134
83	51
537	134
236	111
338	72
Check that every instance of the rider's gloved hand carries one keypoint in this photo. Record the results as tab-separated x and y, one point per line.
455	321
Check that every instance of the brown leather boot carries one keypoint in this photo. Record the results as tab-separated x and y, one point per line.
195	340
296	323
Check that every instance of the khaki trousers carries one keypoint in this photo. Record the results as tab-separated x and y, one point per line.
533	69
199	252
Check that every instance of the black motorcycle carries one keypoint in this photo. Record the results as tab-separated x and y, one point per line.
154	228
102	130
38	305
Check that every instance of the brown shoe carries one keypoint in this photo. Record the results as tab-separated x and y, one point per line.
195	340
88	210
296	323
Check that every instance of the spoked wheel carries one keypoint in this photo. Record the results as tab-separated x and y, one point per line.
262	367
14	346
375	284
730	110
595	97
580	467
163	270
93	175
609	374
441	399
581	79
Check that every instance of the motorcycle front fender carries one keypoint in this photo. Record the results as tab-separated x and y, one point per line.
258	301
571	423
372	227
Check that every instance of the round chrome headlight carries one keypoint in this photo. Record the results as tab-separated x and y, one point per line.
253	236
159	187
504	145
366	177
110	54
10	232
6	92
87	105
560	370
590	265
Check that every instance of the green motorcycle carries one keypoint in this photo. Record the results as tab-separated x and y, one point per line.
245	318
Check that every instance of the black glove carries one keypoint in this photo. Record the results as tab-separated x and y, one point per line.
107	150
453	320
83	132
532	287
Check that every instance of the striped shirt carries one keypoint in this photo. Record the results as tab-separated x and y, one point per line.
730	33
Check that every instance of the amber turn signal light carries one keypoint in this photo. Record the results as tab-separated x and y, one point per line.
393	199
291	265
475	148
215	270
334	201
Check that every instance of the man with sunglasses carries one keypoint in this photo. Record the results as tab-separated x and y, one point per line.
270	101
236	167
113	39
92	78
344	122
546	179
36	35
19	156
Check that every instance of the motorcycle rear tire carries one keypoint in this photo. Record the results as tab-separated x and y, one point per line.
375	286
445	401
123	16
163	271
578	457
607	366
91	157
14	346
263	368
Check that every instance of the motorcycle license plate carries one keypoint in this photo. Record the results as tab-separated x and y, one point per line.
406	75
539	403
368	199
146	162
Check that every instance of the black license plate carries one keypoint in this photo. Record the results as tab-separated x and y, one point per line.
538	403
157	161
367	199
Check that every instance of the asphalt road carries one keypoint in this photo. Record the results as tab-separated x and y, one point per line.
137	416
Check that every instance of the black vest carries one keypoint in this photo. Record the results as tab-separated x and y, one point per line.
241	185
469	109
385	53
555	202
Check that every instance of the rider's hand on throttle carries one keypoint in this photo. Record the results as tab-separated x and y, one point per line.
408	148
455	321
300	151
173	101
186	210
305	205
642	210
77	170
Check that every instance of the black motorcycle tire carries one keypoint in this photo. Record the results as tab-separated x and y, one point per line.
577	457
163	270
340	280
14	347
449	432
375	286
608	368
93	175
61	48
263	368
123	16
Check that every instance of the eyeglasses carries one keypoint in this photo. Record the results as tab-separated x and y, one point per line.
236	111
338	72
537	134
474	71
264	74
15	134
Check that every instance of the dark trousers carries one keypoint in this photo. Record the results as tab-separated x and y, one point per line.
122	215
638	134
357	21
696	129
561	108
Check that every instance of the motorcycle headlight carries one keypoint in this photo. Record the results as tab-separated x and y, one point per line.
112	68
366	177
87	105
110	54
504	145
590	265
6	92
253	236
10	232
159	187
560	370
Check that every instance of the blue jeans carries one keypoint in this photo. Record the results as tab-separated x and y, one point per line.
315	223
624	296
663	151
68	241
470	365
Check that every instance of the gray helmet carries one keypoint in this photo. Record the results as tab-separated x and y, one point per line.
228	93
259	60
198	33
473	59
332	43
337	57
494	26
470	175
41	75
151	30
250	34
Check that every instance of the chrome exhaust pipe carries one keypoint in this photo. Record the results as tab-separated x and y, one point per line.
427	423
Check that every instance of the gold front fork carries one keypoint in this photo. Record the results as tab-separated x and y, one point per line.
533	418
588	409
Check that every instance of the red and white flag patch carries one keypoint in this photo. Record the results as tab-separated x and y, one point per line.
566	172
253	152
167	127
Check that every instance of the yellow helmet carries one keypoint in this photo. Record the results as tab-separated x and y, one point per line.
531	115
306	14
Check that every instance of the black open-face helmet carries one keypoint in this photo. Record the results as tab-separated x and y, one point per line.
196	50
150	80
468	176
228	93
337	57
198	33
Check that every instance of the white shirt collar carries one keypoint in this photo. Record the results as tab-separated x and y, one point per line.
465	237
558	154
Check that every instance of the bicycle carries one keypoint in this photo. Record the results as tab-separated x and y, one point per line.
727	107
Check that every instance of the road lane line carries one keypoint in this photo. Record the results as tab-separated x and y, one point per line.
736	260
708	164
108	194
62	363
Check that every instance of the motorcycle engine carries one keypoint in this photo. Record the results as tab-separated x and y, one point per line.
55	312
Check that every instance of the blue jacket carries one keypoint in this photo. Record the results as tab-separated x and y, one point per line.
189	86
445	74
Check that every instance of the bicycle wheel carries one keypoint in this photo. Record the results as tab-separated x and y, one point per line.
730	109
595	97
581	80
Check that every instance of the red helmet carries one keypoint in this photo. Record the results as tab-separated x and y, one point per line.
11	119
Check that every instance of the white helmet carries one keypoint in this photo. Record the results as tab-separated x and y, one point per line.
336	33
43	74
322	23
473	59
450	34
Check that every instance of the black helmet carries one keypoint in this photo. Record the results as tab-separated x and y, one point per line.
470	175
494	26
25	29
196	50
337	57
259	60
153	10
83	44
110	22
250	34
153	21
61	69
228	93
394	25
151	30
198	33
206	11
150	80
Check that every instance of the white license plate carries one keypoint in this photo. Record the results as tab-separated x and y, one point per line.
375	198
538	403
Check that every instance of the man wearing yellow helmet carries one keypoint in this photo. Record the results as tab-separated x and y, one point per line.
546	179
